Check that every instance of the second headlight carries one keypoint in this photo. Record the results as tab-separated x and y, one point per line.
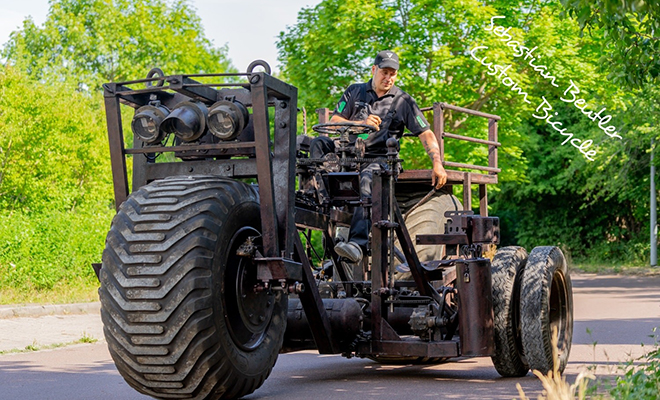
187	121
227	119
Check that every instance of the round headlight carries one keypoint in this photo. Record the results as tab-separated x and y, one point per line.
187	121
227	119
146	123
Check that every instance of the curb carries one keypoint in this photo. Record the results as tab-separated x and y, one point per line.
13	311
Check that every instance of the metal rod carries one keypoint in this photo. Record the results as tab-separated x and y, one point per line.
469	111
191	147
470	166
471	139
654	231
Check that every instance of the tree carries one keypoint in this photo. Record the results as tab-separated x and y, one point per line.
549	193
629	31
53	146
97	41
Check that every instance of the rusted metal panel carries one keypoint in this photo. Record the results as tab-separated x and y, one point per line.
234	168
431	239
341	217
475	316
308	219
484	229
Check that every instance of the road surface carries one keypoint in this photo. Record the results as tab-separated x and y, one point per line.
613	316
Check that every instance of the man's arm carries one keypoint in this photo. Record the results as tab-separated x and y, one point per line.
432	148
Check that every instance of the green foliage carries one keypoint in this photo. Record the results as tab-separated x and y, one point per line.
628	28
56	195
40	251
97	41
641	378
548	193
53	146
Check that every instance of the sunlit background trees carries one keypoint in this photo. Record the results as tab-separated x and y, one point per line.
56	198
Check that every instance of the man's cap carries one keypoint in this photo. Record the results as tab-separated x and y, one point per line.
387	59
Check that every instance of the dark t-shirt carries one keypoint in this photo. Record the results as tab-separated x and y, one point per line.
406	114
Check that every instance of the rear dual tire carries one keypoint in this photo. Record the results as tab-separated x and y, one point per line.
532	296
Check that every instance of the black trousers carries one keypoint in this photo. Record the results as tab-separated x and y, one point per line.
361	222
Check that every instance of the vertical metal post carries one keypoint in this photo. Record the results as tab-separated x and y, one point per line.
492	150
654	209
483	200
324	117
467	191
116	141
439	128
379	200
269	222
284	162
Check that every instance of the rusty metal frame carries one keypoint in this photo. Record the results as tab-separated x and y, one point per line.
283	260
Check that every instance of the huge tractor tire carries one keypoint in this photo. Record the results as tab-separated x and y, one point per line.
180	314
507	267
546	306
427	219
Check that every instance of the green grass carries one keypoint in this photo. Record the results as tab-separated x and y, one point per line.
36	347
47	257
614	268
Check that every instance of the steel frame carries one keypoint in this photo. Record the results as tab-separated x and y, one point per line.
283	260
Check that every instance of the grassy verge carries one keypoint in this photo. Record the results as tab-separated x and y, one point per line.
36	347
614	268
47	257
61	293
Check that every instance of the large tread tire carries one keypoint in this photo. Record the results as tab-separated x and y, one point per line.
428	219
170	285
546	303
507	268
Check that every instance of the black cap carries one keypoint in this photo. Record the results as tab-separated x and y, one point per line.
387	59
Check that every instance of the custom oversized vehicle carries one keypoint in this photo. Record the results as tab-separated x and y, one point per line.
221	254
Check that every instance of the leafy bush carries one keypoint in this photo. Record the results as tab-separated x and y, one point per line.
640	381
40	251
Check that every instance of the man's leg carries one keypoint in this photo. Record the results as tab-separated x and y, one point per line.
321	146
358	237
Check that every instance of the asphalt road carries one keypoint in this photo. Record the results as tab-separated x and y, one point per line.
613	316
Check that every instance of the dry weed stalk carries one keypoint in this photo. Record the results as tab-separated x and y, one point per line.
556	387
